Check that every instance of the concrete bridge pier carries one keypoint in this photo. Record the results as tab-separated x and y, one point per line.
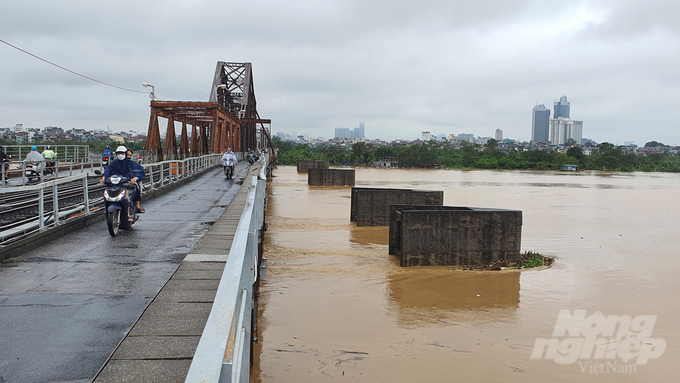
452	235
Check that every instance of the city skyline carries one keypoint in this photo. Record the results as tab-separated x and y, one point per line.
53	133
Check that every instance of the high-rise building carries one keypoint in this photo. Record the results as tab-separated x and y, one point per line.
499	135
427	136
561	108
540	123
359	132
342	133
562	129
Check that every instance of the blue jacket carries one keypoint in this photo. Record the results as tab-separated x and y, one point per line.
126	168
107	153
138	170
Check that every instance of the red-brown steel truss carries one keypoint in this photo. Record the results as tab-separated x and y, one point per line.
230	119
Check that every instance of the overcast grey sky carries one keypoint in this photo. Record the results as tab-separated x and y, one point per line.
402	67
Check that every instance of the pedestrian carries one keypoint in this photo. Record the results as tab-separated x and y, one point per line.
4	160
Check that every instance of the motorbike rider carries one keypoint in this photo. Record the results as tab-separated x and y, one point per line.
108	153
4	161
123	166
49	155
229	155
139	169
33	157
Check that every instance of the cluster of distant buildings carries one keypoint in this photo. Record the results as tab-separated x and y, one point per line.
558	129
544	128
342	136
546	133
22	135
346	133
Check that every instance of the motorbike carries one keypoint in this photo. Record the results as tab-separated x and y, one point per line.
49	168
105	161
6	166
228	168
252	158
33	172
118	204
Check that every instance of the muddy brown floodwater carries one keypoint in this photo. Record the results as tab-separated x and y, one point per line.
337	307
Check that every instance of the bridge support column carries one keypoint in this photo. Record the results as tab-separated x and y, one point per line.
170	139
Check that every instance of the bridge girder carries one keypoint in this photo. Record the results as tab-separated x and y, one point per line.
233	89
229	119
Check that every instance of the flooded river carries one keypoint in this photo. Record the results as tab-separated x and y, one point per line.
337	307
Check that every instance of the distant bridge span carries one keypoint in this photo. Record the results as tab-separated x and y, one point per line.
229	119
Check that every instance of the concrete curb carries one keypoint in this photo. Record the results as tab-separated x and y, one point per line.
39	239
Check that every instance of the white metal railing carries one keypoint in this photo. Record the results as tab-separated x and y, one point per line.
230	317
61	168
62	151
166	172
44	219
174	170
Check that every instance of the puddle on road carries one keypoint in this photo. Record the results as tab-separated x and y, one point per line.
336	306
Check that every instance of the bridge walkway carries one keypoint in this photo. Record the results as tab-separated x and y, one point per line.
161	344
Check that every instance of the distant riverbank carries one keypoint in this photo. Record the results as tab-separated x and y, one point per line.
605	156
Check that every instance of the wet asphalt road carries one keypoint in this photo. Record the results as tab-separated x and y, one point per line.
65	306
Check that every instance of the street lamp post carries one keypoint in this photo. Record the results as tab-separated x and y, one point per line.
153	90
220	97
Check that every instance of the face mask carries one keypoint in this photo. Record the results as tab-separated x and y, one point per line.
121	156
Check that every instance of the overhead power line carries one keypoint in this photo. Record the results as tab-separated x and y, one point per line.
70	71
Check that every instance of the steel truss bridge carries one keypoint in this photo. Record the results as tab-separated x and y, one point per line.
229	119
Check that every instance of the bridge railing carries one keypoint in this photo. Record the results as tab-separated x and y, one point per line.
223	352
17	169
76	198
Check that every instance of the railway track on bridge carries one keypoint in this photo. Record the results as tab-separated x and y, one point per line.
18	206
19	210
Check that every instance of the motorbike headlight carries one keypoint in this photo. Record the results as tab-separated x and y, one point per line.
115	179
114	198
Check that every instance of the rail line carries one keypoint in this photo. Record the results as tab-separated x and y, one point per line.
23	209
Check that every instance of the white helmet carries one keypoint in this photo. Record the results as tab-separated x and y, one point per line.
121	149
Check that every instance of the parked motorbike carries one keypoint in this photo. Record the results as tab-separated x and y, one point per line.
229	168
118	203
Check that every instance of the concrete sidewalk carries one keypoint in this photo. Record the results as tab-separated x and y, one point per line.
162	343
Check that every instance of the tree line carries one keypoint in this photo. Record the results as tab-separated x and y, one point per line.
605	156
